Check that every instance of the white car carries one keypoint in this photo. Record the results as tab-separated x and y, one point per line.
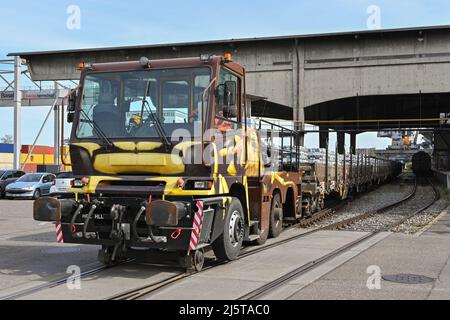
62	183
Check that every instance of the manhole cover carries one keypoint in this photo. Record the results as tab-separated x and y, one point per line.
408	279
60	250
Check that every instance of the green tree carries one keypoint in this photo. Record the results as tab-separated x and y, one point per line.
7	139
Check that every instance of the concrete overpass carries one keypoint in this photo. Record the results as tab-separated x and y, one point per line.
325	71
331	79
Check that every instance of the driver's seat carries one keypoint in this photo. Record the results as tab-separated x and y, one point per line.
106	115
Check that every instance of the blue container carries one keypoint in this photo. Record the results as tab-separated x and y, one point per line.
6	148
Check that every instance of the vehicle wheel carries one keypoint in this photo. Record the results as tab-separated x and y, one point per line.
229	244
276	216
36	194
2	193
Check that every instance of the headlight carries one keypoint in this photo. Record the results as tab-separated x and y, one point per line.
198	185
76	183
80	183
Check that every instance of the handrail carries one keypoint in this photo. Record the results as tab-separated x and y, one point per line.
63	158
278	126
203	114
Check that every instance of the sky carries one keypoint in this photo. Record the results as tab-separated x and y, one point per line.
43	25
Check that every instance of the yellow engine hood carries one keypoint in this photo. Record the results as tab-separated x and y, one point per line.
153	163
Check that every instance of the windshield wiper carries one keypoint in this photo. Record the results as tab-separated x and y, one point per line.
96	128
155	119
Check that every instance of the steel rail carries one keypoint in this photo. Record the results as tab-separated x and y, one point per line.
342	224
148	289
263	290
157	286
135	294
437	196
152	288
58	282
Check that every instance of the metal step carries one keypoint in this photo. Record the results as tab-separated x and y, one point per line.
254	223
253	237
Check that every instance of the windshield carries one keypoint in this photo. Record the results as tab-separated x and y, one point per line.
32	177
114	102
2	173
64	175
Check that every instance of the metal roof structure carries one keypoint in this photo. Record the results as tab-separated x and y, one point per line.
231	41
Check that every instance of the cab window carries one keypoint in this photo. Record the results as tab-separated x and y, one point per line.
175	100
228	96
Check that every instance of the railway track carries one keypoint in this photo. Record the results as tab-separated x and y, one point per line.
136	293
248	251
146	290
53	283
395	214
285	279
340	225
153	287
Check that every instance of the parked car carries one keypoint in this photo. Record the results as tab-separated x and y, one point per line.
6	178
31	185
62	183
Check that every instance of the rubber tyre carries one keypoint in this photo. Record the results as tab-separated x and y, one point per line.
2	193
222	247
36	194
276	224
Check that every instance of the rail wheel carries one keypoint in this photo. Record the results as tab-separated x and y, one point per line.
307	212
276	216
320	202
192	262
229	244
198	260
314	205
105	255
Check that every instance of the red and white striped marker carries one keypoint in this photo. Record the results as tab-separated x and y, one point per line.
59	234
196	231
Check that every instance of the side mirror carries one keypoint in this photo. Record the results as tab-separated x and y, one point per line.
70	117
230	100
71	107
230	112
230	93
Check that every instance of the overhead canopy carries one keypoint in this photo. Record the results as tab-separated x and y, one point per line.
268	109
371	113
61	64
